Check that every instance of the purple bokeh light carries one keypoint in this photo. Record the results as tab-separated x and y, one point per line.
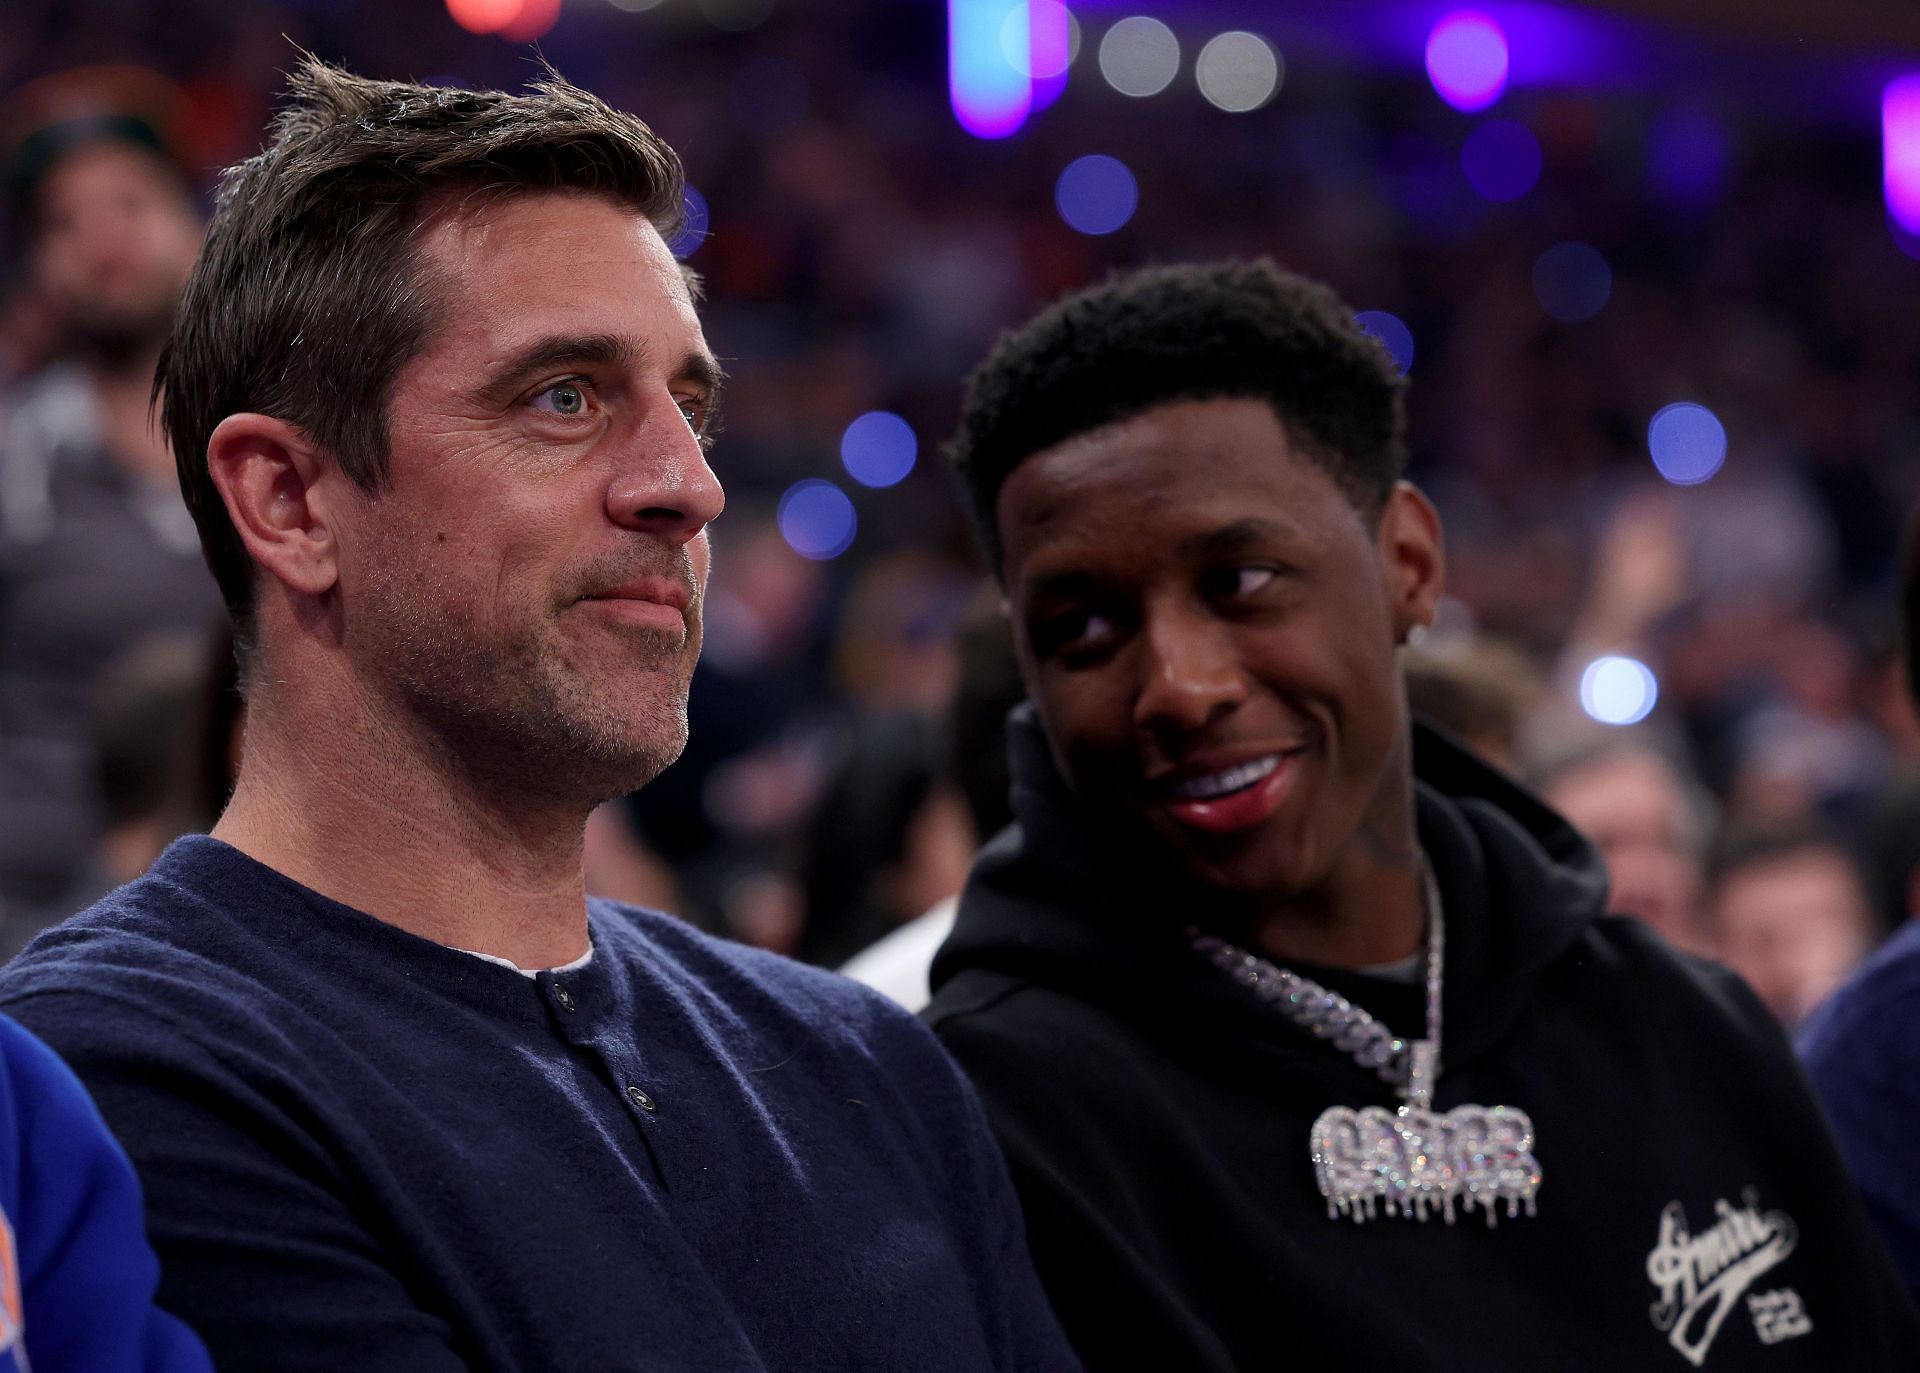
1900	152
1392	333
694	232
991	92
1096	194
1687	442
1467	60
879	449
816	519
1049	49
1501	159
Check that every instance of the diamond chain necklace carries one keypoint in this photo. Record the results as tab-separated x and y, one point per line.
1413	1160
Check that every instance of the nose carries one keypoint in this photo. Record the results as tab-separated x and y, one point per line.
663	485
1192	675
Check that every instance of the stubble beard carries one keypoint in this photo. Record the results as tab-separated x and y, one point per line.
119	336
514	710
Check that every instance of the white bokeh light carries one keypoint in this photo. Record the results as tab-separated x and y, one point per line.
1019	51
1617	690
1139	56
1238	72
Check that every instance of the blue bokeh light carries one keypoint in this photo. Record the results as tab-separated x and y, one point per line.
1096	194
816	519
1617	690
1501	159
1572	282
991	92
1467	60
695	233
878	449
1392	332
1687	442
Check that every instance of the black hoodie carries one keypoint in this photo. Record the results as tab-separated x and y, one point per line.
1693	1211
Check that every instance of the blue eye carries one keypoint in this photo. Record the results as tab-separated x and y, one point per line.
568	399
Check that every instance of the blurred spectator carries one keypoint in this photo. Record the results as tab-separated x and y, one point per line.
890	837
143	714
97	550
1862	1046
1890	846
1651	829
1789	914
989	688
1479	691
719	818
895	647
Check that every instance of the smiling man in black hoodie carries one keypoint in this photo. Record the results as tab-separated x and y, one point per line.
1305	1033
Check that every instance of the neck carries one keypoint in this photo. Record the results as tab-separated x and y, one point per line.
1371	909
342	795
125	395
1383	922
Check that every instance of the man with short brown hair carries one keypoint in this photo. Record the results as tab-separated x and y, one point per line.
402	1097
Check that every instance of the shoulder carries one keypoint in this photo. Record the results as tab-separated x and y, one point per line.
1036	1052
149	934
150	973
1624	957
1874	1018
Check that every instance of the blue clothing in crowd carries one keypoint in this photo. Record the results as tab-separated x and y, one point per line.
1862	1049
76	1275
365	1150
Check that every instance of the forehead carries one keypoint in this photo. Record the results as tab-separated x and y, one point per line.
531	266
1145	484
106	168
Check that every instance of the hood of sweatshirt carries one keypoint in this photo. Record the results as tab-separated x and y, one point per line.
1053	902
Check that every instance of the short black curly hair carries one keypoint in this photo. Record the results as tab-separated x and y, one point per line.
1189	331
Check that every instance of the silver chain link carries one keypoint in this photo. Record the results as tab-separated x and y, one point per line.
1330	1016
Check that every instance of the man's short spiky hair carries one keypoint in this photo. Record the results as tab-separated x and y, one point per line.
309	297
1193	331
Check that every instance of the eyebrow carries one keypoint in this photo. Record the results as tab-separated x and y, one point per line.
699	367
1236	538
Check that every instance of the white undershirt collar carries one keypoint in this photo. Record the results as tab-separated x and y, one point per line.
572	967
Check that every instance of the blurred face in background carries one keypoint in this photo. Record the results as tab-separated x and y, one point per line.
1794	925
1634	810
116	235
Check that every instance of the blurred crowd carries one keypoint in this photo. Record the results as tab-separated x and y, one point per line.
860	254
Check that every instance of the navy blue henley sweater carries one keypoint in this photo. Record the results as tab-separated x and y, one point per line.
363	1150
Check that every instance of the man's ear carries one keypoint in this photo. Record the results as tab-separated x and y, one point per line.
1413	558
268	473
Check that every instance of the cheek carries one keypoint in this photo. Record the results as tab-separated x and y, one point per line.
701	551
1090	721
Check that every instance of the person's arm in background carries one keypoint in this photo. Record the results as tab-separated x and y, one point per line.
79	1275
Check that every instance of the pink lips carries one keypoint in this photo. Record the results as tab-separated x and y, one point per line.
1240	810
650	603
